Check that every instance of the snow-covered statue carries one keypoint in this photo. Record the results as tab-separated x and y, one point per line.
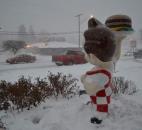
121	26
99	50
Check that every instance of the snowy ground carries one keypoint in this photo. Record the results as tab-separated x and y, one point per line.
125	111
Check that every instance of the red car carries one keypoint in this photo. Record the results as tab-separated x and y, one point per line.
21	59
70	57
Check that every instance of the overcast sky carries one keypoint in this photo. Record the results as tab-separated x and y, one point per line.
59	15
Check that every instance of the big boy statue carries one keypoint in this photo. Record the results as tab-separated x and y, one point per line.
102	49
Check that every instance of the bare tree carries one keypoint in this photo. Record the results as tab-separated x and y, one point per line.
13	45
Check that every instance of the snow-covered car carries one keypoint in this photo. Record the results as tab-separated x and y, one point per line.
21	59
138	54
70	57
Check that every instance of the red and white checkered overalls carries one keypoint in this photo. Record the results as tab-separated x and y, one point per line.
102	98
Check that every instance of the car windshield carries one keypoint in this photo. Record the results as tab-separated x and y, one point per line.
71	52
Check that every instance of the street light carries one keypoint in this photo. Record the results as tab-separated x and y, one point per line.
78	16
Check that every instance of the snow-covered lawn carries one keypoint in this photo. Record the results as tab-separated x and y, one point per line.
73	114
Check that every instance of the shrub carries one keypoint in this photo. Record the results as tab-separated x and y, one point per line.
19	93
4	94
63	85
21	59
25	94
122	86
45	89
2	126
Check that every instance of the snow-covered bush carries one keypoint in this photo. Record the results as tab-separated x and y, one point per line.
2	126
122	86
4	95
63	85
25	94
21	94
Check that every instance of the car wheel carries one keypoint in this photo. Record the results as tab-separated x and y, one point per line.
58	64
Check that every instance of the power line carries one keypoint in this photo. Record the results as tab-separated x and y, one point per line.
23	33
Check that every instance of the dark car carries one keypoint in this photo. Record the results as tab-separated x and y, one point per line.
138	54
21	59
69	57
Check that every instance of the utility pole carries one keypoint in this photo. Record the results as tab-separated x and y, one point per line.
78	16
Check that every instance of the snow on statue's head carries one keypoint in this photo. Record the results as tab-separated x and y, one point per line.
99	43
121	26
